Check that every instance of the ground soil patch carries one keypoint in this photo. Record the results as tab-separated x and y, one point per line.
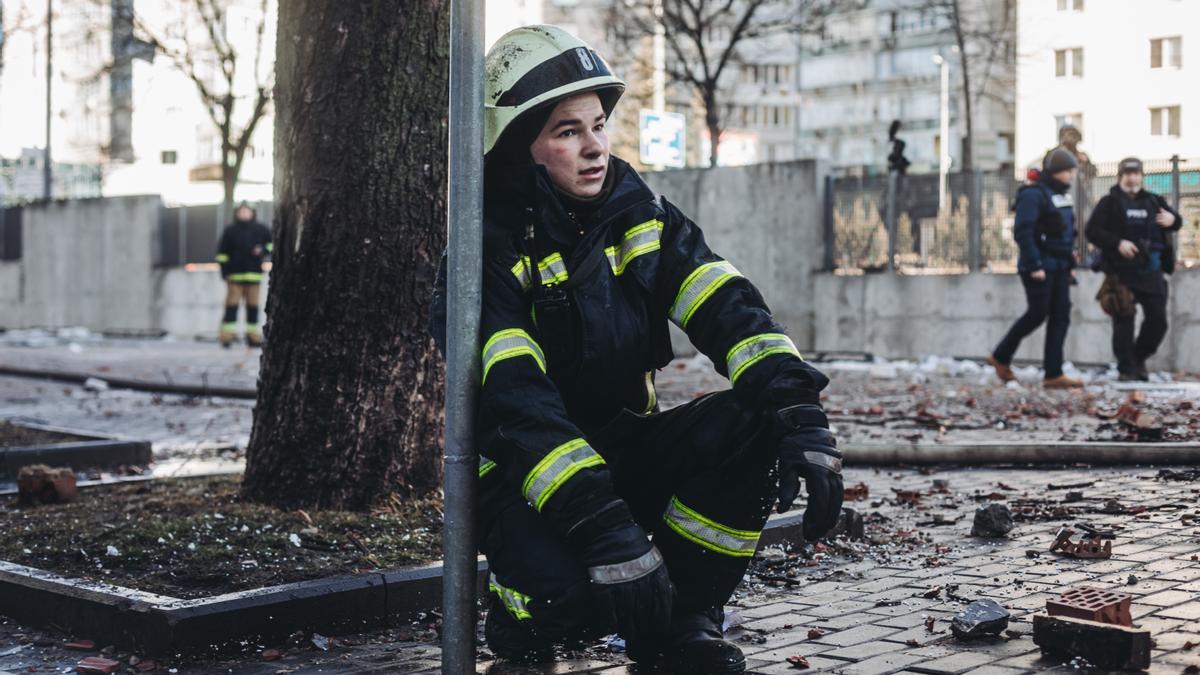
193	537
15	436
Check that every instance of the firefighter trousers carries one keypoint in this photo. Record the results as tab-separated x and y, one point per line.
701	478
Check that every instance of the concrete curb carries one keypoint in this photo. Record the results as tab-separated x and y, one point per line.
77	455
158	625
1054	452
137	385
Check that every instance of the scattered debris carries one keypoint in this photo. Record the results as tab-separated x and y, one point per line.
271	655
1132	580
80	645
814	633
849	525
1071	486
1086	547
1072	497
858	492
980	618
991	521
912	497
941	485
1092	604
97	664
929	623
322	642
798	662
932	593
1181	474
1105	646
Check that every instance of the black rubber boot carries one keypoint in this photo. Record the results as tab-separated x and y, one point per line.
695	645
513	640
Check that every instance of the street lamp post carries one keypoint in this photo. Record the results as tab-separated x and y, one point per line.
944	132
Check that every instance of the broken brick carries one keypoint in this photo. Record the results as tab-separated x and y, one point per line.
1105	646
80	645
854	493
1086	547
271	655
1093	605
97	664
798	661
814	633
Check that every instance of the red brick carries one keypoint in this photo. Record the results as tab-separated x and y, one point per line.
1092	604
96	664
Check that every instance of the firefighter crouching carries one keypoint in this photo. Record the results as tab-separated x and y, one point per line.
244	244
599	512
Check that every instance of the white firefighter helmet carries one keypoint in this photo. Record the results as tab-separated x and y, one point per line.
531	66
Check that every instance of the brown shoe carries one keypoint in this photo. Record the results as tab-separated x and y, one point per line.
1062	382
1003	371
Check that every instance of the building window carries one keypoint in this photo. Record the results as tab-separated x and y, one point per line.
1166	53
1068	62
1070	5
1164	121
169	156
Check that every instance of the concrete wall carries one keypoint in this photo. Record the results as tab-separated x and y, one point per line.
84	263
966	315
767	220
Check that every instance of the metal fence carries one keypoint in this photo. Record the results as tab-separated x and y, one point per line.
22	181
189	234
972	230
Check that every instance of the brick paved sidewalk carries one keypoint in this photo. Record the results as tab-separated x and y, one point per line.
868	597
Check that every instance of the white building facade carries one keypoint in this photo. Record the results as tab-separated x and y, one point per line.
154	136
1125	73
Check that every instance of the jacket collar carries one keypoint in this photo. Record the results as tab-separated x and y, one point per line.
526	191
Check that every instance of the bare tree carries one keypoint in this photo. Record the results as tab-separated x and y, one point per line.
983	32
198	43
704	38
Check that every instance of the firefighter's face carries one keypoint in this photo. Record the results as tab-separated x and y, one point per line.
573	146
244	213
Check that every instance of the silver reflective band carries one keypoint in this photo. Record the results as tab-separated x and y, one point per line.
638	241
556	468
698	286
521	272
708	533
511	343
516	602
552	270
821	459
754	349
630	570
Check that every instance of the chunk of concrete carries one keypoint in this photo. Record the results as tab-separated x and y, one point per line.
992	520
980	618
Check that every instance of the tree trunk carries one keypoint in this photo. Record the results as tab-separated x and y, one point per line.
351	392
712	121
968	159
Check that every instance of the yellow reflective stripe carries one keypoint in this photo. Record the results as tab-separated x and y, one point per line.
709	533
521	272
651	395
638	241
508	344
222	258
516	602
246	276
698	287
486	467
557	468
229	327
754	349
552	270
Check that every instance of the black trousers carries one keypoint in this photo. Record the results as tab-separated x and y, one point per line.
1132	353
700	477
1048	302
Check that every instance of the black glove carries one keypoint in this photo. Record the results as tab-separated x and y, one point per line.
629	580
809	450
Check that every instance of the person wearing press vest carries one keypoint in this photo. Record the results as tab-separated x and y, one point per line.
600	512
1131	225
1044	229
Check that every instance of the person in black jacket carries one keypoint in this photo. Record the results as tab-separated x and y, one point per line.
244	244
583	268
1130	226
1044	229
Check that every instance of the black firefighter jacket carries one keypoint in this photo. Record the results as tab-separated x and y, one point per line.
244	244
573	328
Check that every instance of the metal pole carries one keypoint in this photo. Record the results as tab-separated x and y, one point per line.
830	232
47	171
890	214
464	279
1175	182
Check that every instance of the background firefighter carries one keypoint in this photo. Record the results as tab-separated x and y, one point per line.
244	244
1129	225
583	268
